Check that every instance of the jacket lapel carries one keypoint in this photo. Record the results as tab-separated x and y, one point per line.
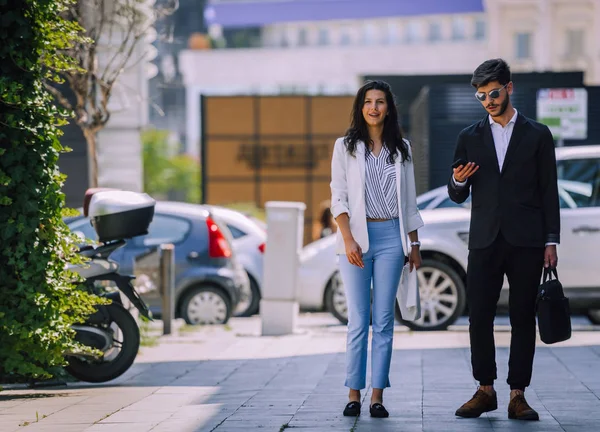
488	141
399	174
517	134
360	158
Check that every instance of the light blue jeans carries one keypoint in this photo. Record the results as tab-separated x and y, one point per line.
383	265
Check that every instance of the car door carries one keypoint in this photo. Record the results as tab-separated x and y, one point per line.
163	229
580	222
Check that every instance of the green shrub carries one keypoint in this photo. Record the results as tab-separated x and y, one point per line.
38	303
167	174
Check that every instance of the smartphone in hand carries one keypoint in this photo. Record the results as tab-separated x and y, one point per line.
459	162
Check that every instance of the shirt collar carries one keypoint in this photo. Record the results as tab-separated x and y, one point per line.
512	120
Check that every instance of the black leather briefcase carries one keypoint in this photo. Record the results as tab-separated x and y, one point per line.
552	309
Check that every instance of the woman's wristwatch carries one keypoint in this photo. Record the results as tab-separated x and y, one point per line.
415	243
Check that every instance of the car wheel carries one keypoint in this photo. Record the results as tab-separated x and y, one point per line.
252	300
594	315
335	299
205	305
443	297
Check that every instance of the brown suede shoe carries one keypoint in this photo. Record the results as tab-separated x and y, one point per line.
480	402
519	409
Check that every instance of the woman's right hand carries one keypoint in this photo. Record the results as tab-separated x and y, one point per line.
354	253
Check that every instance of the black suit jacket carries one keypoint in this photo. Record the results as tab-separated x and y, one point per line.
520	199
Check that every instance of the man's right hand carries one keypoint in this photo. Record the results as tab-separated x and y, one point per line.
354	253
463	172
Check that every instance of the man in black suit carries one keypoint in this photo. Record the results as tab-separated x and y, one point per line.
509	167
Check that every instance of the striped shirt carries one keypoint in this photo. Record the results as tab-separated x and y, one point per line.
380	186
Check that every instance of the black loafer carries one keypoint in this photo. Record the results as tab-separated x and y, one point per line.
352	409
379	411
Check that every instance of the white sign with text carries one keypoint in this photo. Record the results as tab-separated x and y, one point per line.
564	111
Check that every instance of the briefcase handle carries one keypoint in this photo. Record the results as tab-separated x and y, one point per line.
548	272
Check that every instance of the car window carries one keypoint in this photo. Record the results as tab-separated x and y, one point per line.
84	226
563	203
235	232
164	229
580	179
422	205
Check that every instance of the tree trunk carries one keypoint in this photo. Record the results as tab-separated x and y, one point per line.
92	157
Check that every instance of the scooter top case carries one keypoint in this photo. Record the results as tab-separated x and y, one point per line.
88	197
117	215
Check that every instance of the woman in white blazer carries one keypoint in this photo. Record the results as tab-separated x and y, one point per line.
373	201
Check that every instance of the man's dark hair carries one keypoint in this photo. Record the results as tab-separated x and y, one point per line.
491	70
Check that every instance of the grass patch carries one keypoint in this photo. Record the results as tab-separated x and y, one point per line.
107	416
284	427
37	419
227	327
188	328
146	339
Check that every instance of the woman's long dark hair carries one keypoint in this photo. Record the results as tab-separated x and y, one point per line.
359	131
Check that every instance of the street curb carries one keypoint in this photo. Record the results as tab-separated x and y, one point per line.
34	385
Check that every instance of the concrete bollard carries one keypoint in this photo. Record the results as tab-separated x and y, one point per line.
279	303
167	285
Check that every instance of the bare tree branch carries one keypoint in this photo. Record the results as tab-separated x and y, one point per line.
117	28
59	96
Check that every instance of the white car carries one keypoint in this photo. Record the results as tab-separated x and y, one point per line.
249	239
444	249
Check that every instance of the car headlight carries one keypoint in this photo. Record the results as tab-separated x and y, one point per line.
464	236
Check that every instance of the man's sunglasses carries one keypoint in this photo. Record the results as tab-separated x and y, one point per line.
494	94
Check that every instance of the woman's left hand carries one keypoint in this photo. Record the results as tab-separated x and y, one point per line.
414	259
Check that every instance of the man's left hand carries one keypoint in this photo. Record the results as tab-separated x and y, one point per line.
414	258
550	257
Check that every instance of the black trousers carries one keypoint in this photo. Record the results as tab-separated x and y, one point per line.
485	277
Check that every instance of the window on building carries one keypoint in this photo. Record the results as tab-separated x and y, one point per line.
435	31
391	36
302	37
345	35
575	43
458	28
345	38
412	31
479	29
323	36
283	40
523	46
369	33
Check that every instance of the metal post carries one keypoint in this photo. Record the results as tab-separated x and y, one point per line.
167	285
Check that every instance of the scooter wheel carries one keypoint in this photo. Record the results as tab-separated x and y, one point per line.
106	370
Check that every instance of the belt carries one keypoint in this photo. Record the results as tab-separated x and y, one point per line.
377	220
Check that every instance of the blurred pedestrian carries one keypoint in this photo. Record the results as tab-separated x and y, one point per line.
373	201
507	162
327	223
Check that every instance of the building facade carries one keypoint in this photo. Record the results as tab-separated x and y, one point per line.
316	47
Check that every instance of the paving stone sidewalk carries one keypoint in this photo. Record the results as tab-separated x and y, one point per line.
230	379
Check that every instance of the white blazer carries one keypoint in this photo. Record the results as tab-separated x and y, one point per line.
348	196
